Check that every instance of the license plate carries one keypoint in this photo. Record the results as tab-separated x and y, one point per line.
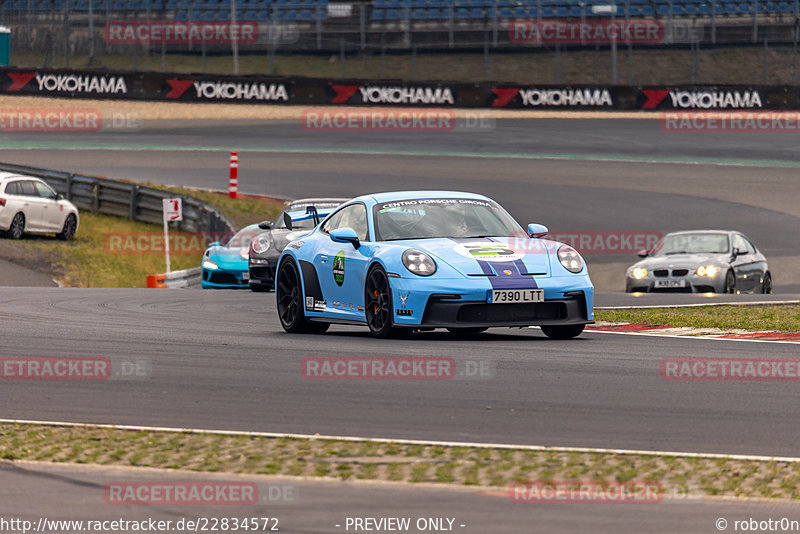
670	283
246	275
513	296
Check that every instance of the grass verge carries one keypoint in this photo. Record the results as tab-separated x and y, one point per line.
758	318
91	260
680	477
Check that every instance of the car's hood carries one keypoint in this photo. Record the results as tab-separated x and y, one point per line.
489	256
227	258
682	260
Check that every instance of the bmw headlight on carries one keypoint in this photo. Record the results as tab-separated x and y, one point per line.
260	244
418	262
570	259
639	272
707	270
208	263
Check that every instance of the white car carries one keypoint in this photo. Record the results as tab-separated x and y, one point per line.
29	205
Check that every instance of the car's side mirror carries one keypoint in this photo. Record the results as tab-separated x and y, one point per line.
346	235
59	196
265	225
643	253
537	230
287	220
735	252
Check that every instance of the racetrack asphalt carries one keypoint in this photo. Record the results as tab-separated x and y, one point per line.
33	490
220	360
15	275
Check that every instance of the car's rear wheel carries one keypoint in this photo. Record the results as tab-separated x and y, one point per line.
378	304
467	332
563	332
730	283
289	298
766	285
17	228
69	229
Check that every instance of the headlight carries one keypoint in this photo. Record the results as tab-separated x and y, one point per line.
639	272
570	259
707	270
244	253
418	262
209	264
260	244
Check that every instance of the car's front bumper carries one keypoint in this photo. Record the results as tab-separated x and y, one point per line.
262	272
435	303
691	284
224	279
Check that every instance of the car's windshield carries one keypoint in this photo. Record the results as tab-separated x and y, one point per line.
442	217
700	243
243	237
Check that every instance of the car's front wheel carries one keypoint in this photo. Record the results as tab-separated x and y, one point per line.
766	285
563	332
730	283
378	304
69	229
289	298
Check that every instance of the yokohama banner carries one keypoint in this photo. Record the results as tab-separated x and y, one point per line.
321	92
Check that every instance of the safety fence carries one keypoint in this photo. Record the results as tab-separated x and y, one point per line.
544	41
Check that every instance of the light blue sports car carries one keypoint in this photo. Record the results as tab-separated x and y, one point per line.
225	266
420	260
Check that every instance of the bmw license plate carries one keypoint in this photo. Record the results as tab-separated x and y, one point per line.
662	284
513	296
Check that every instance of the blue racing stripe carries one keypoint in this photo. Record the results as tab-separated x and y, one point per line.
508	274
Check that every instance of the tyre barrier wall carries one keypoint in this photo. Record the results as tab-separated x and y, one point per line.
187	278
318	91
139	203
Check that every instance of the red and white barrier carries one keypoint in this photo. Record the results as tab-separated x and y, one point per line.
233	181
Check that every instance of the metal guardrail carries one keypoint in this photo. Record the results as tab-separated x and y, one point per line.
139	203
187	278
